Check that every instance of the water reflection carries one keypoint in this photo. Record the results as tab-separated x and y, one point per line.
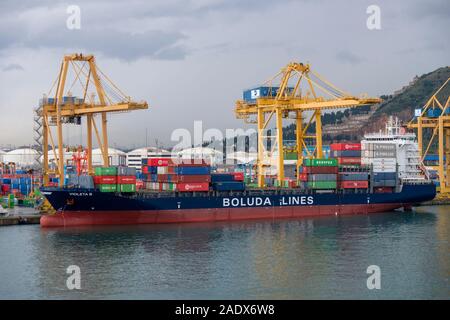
322	257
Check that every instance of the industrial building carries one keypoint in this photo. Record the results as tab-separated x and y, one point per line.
134	157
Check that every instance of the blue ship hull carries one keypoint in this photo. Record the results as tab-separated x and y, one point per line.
91	207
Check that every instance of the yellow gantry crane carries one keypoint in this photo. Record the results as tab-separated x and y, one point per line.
283	98
98	96
435	116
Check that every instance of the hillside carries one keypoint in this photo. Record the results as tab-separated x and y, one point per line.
403	102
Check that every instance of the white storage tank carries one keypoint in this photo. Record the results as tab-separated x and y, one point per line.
23	157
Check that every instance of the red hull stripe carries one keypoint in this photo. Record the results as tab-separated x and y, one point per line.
80	218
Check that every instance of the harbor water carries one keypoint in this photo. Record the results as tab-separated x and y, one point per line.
316	258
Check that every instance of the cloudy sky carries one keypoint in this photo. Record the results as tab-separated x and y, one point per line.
191	59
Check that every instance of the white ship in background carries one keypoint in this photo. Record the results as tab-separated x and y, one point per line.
394	150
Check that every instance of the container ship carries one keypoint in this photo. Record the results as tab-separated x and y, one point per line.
381	173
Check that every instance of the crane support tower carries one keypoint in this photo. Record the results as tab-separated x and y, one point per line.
283	98
98	95
435	117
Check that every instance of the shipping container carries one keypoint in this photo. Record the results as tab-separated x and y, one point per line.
105	179
106	171
228	186
346	153
379	176
126	179
320	169
353	176
321	184
322	177
320	162
354	184
345	146
349	161
238	176
220	177
192	187
126	171
192	170
159	162
127	187
107	187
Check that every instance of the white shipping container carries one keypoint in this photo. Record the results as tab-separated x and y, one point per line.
382	147
392	161
383	154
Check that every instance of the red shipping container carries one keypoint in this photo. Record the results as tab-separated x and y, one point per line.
349	160
238	176
126	179
144	169
303	176
345	146
5	188
192	186
354	184
190	178
189	163
105	179
159	162
139	184
320	169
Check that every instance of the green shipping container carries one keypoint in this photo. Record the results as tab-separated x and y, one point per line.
106	171
107	187
127	187
322	185
332	162
290	156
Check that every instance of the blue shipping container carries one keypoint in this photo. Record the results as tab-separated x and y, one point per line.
228	186
220	177
380	176
346	153
193	170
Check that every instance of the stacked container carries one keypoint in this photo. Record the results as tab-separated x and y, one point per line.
319	174
166	174
382	157
115	179
347	154
106	179
228	181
